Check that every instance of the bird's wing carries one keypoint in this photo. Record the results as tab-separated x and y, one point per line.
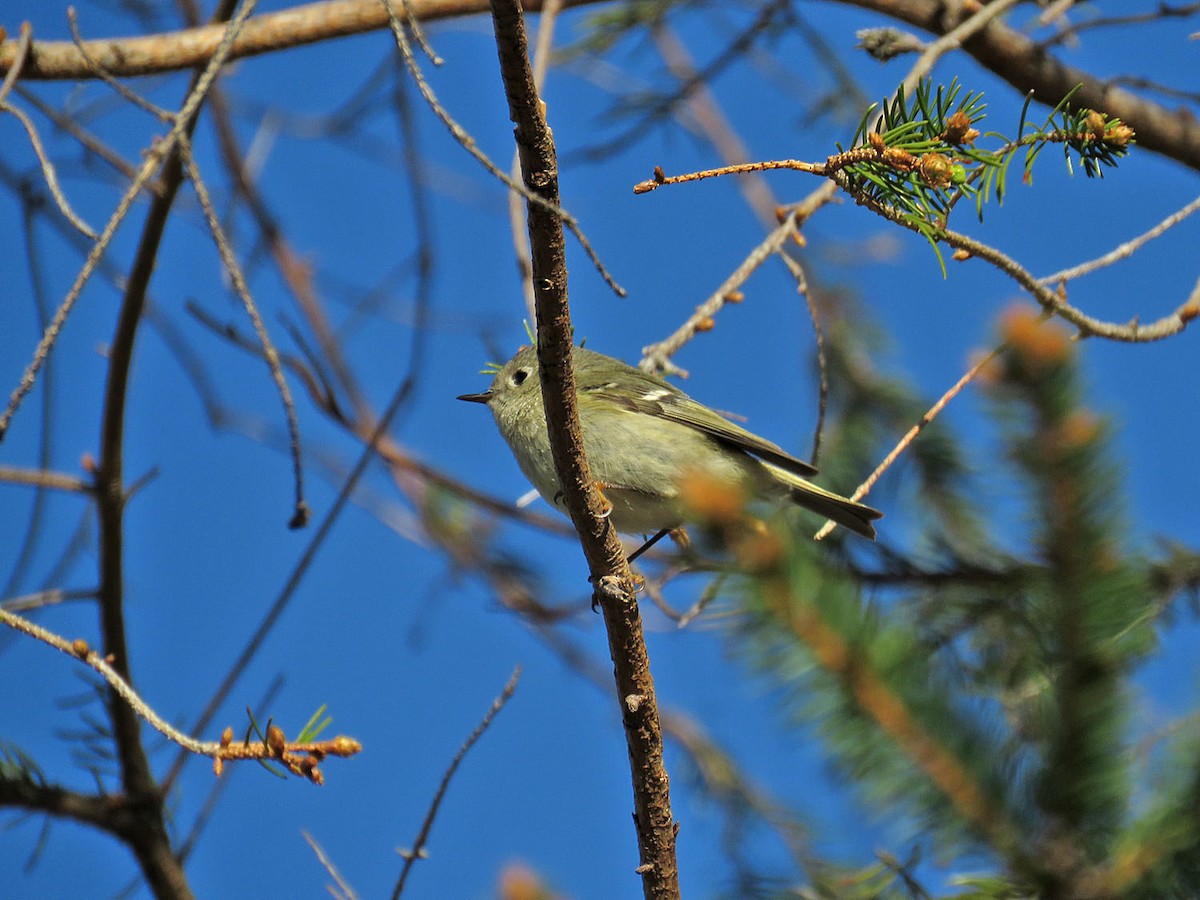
654	397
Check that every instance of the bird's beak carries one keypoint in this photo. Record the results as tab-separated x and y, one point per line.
476	398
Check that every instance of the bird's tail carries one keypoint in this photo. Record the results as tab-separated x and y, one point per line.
847	513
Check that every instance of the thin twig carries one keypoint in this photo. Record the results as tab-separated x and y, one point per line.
347	892
79	649
657	357
414	23
468	143
300	511
98	70
1072	30
418	848
1123	251
1052	301
797	270
661	180
59	481
968	376
48	597
49	173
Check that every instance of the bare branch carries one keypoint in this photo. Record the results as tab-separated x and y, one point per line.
59	481
656	357
271	32
343	886
1125	250
418	848
35	140
229	260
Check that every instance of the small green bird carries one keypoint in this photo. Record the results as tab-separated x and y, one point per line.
643	437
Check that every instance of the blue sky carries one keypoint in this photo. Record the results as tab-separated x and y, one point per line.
408	653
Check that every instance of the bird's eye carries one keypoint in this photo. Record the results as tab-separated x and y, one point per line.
518	377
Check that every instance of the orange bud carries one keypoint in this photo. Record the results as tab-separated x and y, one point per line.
1120	135
711	500
1078	429
519	882
758	551
937	170
959	130
344	746
276	742
1038	341
80	647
